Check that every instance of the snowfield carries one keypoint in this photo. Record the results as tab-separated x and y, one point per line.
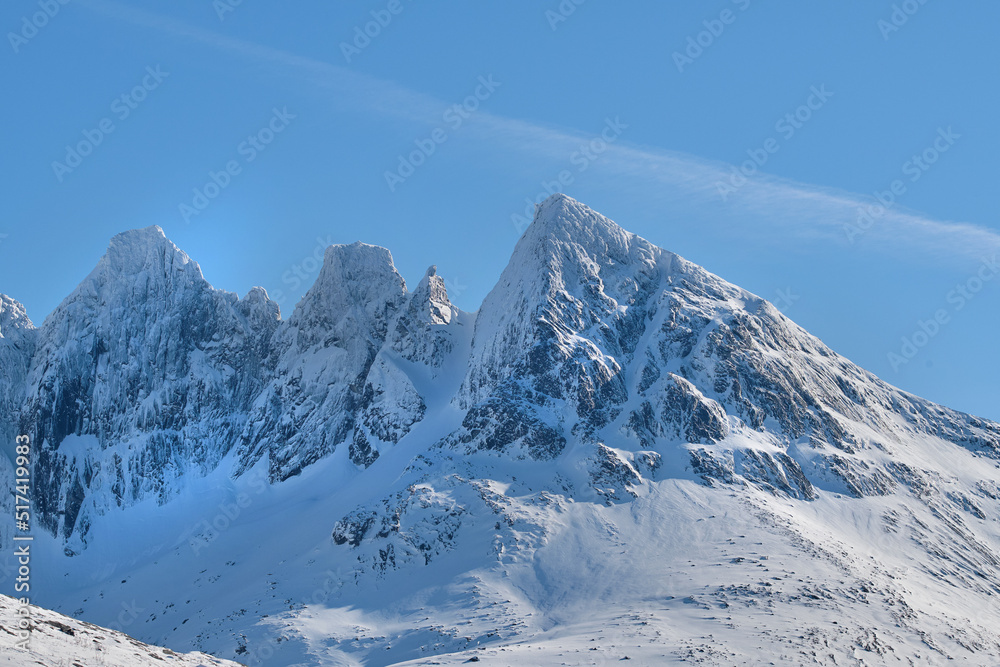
619	456
59	641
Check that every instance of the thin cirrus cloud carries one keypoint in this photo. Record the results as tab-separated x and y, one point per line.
775	205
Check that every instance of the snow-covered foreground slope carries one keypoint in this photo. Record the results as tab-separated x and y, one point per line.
59	641
619	454
467	561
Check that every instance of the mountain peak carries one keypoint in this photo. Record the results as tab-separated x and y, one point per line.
356	278
566	234
347	264
560	210
152	233
12	309
139	241
13	316
564	219
145	249
357	253
430	299
257	295
557	201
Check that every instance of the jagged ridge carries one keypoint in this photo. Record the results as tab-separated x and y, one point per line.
606	393
591	334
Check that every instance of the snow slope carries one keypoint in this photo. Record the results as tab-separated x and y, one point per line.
620	454
56	640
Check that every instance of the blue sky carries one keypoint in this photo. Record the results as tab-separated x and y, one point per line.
752	138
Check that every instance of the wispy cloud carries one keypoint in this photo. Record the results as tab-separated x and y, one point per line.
779	205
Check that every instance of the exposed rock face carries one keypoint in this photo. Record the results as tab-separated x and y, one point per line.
17	346
421	339
555	336
617	439
612	475
146	376
322	358
154	367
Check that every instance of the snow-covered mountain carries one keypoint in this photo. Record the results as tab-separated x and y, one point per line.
140	379
618	454
57	641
